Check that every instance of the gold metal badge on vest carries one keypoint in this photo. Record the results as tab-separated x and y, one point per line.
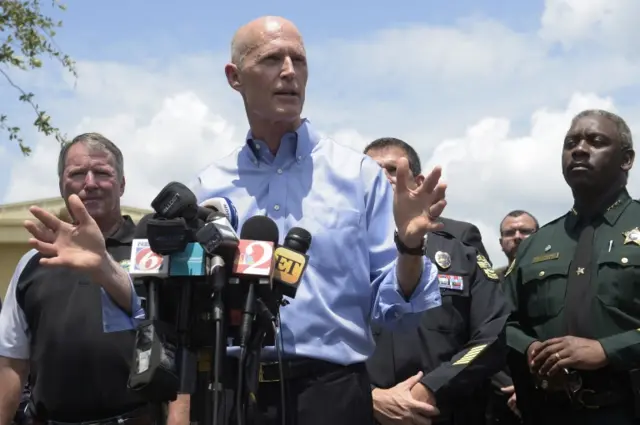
632	236
443	260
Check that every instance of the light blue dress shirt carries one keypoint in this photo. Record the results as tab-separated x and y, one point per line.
344	200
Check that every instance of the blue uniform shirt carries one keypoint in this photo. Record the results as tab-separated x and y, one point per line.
344	200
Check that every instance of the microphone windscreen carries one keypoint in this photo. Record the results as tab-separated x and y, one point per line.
141	227
260	228
298	239
225	206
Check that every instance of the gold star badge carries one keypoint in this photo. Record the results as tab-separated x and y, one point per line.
632	236
580	271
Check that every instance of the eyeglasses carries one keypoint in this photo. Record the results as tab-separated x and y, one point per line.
512	232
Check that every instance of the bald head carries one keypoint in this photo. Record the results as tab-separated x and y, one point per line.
269	69
257	32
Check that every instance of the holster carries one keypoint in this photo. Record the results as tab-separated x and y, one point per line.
153	371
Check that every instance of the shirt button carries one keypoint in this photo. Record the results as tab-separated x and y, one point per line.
257	146
279	170
276	207
299	158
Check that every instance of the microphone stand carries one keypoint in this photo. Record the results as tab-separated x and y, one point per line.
245	335
187	361
216	273
153	300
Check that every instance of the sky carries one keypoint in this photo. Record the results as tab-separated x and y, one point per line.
484	88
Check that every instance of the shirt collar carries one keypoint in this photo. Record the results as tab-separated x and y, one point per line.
301	142
124	234
611	210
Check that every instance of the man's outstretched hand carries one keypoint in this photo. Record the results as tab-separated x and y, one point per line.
79	245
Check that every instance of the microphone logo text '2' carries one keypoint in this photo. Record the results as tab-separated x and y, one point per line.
253	258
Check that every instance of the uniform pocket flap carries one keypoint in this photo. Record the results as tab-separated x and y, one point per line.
621	258
543	270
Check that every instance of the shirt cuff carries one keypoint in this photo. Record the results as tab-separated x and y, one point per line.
518	340
115	319
425	296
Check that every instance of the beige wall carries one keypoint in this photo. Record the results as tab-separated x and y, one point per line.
9	256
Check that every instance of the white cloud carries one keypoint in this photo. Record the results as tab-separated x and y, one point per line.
489	103
181	137
612	23
491	171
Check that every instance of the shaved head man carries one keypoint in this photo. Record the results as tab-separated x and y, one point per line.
269	69
366	257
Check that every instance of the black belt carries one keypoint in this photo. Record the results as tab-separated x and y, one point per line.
140	416
304	369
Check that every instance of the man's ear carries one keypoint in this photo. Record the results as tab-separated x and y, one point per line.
627	159
233	76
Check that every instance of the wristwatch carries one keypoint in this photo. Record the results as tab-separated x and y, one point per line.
403	249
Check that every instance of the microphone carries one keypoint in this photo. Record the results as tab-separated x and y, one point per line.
222	205
176	200
291	261
218	235
155	253
146	261
254	263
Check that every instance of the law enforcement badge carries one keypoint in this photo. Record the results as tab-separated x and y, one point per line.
632	236
486	267
443	260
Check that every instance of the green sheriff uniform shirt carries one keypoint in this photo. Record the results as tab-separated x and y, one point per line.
536	283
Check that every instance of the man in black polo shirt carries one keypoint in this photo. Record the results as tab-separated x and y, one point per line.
70	307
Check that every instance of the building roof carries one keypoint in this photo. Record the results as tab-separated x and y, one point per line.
12	217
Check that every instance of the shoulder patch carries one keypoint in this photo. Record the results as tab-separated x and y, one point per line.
486	267
510	269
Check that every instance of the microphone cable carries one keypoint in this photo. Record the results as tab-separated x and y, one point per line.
275	322
279	351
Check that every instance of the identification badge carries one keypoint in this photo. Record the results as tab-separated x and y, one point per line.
448	281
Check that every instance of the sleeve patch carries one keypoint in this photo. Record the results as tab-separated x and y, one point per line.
486	267
470	355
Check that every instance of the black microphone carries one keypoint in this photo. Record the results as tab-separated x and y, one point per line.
291	261
177	200
254	263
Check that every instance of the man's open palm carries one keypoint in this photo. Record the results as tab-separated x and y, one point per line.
417	207
79	245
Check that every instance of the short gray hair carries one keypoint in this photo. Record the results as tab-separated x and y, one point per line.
624	132
93	141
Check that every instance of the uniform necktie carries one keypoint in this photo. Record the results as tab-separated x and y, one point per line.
579	293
